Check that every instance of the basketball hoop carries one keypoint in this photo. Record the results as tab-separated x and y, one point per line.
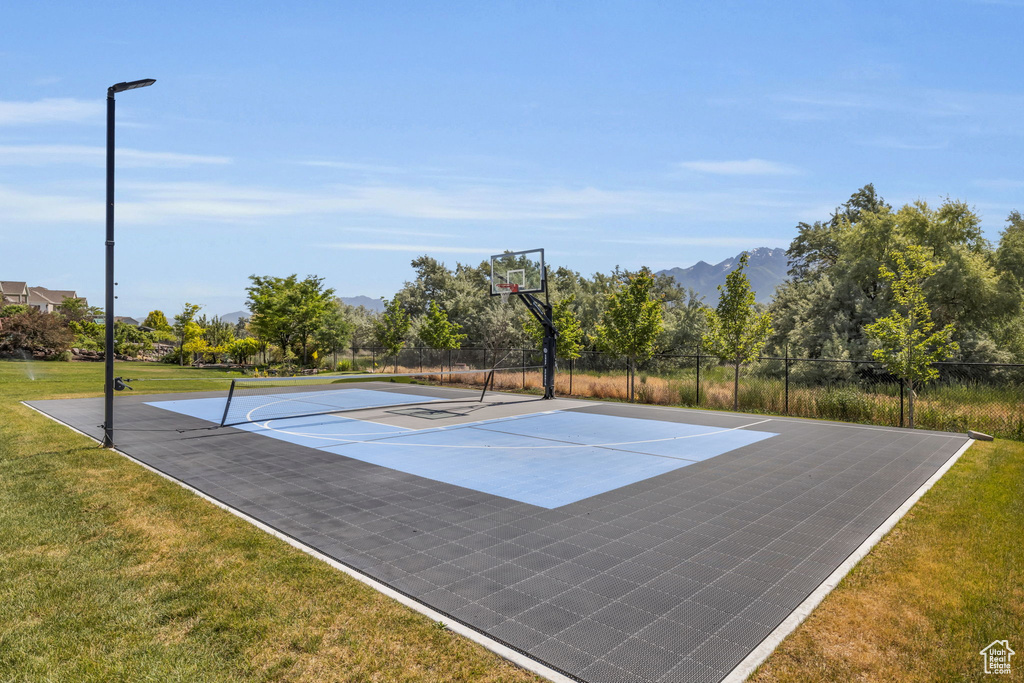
505	290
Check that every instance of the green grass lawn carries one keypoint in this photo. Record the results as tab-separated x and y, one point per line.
111	573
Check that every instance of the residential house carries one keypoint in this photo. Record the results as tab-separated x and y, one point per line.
47	300
13	293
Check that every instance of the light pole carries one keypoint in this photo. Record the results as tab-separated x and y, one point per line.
108	351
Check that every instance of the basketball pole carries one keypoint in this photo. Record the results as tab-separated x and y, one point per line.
544	314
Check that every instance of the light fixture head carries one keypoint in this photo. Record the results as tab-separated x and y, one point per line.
131	85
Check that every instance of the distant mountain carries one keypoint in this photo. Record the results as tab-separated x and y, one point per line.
766	270
233	317
365	301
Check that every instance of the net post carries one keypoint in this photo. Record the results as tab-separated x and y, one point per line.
227	404
489	379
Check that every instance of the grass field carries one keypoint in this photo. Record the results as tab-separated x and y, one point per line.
111	573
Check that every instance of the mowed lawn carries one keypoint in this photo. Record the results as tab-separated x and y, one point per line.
109	572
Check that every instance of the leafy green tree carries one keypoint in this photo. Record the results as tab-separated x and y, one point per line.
242	350
129	340
632	321
181	329
193	342
437	331
736	332
76	308
309	303
217	334
157	320
335	329
835	289
570	338
11	310
287	309
909	343
269	305
391	327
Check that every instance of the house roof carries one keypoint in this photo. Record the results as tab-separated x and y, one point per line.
52	296
11	286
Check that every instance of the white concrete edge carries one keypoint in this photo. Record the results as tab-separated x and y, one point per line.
500	649
757	656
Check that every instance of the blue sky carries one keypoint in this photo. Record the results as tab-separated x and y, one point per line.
345	139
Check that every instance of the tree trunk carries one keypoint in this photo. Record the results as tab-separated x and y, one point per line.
629	378
910	403
736	387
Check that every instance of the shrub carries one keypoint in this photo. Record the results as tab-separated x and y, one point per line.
35	331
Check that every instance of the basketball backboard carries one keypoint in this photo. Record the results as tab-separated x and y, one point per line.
522	272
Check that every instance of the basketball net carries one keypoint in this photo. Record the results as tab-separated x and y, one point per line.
505	290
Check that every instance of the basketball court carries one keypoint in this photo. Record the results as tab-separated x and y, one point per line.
604	541
589	541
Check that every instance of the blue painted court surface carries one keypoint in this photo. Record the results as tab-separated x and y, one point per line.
547	459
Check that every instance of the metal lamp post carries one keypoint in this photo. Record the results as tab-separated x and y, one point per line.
108	352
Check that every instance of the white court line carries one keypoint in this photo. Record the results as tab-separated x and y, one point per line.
454	625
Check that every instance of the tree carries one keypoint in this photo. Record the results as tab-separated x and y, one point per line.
632	321
286	309
908	345
437	331
335	329
735	331
391	327
308	303
11	310
218	336
129	340
77	309
33	331
181	322
570	338
835	289
192	341
157	320
241	350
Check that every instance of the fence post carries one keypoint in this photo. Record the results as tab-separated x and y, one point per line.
421	358
787	379
449	365
572	364
524	368
697	402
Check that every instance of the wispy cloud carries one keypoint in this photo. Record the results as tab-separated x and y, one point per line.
353	166
744	167
55	110
44	155
176	202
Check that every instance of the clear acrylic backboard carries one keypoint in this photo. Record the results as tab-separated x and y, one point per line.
518	272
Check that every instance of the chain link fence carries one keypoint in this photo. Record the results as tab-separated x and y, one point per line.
986	397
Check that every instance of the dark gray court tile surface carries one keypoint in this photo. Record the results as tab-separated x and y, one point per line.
675	578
